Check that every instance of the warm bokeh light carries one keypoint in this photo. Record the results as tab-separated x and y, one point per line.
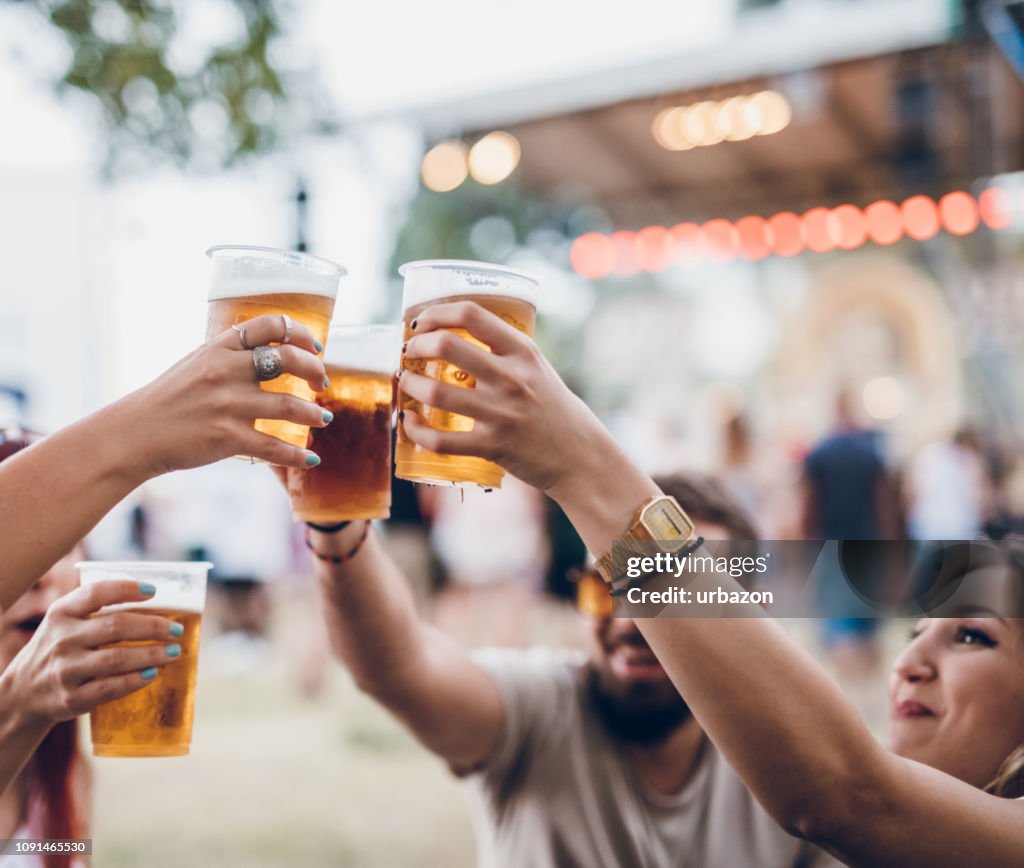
655	249
444	166
626	263
667	129
787	234
679	128
995	208
774	111
689	242
883	398
494	157
817	231
847	227
755	237
920	217
722	239
959	213
885	223
592	255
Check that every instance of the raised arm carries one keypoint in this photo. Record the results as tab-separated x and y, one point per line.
201	410
449	703
773	712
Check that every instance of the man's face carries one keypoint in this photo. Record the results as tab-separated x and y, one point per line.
634	694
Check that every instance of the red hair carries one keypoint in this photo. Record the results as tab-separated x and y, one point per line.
51	786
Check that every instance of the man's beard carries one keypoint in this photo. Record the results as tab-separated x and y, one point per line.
637	719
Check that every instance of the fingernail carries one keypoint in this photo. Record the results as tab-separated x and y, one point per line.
398	375
177	629
173	650
328	416
412	325
327	382
405	346
148	674
147	589
312	459
401	415
319	347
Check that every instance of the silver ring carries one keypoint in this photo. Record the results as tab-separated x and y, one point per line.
238	327
267	361
287	328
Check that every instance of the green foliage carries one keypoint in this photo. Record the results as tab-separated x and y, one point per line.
221	103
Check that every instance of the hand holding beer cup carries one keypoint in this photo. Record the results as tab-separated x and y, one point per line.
526	419
204	408
67	668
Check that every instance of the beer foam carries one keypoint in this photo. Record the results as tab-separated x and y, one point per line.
180	587
432	279
241	271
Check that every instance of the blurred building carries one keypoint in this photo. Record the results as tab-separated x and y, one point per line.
826	195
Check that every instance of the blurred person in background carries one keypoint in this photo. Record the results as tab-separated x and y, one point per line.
494	551
199	411
848	495
54	666
949	493
948	791
570	760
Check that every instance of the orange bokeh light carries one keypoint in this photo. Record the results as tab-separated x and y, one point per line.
722	239
592	255
996	208
816	231
959	213
690	244
655	248
847	227
885	223
787	234
920	217
626	262
755	237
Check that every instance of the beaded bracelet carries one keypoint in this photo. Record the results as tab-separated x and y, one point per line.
340	559
690	548
328	528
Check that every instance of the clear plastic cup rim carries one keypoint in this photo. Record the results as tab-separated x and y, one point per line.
327	266
145	565
467	265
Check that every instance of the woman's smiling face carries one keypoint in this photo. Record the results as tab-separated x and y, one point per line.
956	695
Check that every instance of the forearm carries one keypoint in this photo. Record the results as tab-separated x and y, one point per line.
54	492
769	707
371	615
19	736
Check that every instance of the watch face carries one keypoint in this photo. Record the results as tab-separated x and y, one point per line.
667	523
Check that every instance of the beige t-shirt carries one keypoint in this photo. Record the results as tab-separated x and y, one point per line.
557	793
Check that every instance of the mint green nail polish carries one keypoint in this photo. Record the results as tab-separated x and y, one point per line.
327	382
177	629
328	416
312	459
173	650
148	674
147	589
319	347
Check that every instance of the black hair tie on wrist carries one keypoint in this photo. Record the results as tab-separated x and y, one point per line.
328	528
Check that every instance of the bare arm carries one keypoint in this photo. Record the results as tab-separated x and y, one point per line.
199	411
772	711
416	672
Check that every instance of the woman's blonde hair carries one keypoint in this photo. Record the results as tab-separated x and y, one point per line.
1009	782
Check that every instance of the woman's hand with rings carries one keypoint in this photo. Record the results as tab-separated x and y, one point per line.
204	407
526	419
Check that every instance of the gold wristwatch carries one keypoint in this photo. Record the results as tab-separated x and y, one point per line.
659	525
